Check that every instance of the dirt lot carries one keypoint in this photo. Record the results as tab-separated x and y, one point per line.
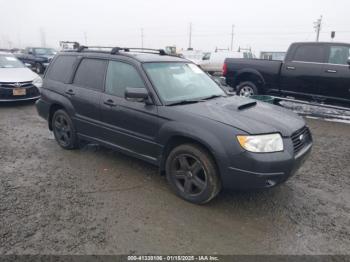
96	201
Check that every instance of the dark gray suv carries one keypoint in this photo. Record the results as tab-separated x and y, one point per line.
167	111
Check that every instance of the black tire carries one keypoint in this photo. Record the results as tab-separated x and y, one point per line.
39	68
64	130
192	174
247	89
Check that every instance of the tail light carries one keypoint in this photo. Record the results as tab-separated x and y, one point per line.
224	69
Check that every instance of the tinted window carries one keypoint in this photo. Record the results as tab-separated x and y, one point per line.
339	55
206	56
310	53
120	76
90	73
61	69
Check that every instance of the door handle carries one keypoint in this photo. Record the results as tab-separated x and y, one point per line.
331	71
290	67
70	92
110	102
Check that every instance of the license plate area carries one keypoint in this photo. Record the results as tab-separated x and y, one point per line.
19	92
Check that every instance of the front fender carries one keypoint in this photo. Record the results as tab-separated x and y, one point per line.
188	131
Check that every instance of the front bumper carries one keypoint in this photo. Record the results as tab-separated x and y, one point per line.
6	94
276	170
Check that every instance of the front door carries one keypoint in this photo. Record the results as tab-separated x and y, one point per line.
130	125
301	75
336	74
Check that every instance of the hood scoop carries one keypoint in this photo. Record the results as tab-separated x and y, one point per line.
241	106
246	106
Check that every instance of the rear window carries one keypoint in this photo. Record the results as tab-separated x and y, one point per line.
61	69
91	73
310	53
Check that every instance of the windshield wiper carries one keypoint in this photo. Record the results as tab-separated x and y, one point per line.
183	102
212	97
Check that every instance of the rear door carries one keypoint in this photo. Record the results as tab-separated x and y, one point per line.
301	73
131	125
336	73
85	94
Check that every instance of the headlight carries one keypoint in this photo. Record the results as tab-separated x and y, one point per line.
262	143
38	82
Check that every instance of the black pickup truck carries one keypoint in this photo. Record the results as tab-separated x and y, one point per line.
311	70
38	57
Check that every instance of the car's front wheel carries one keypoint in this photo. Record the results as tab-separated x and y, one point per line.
64	130
192	173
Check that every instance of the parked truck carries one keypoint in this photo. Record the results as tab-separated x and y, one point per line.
312	70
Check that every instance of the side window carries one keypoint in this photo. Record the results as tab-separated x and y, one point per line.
120	76
91	73
310	53
206	56
339	55
61	69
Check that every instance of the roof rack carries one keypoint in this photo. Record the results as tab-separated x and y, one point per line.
138	50
116	50
83	47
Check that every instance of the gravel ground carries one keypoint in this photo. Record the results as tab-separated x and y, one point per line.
96	201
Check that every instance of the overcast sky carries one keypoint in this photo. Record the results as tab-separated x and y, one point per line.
260	24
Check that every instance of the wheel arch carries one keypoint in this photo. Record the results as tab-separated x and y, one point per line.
179	139
250	75
53	108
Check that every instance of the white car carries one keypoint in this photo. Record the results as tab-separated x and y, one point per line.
194	56
213	62
17	82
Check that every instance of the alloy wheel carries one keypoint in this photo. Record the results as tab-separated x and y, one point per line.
190	175
62	130
246	91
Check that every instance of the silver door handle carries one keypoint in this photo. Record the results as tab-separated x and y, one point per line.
331	71
290	68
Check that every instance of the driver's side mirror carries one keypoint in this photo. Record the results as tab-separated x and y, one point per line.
349	61
30	52
138	94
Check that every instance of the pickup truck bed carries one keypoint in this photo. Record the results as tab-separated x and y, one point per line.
239	70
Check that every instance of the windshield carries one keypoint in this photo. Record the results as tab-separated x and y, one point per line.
45	51
9	61
181	81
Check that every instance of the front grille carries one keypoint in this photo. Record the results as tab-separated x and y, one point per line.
301	138
16	84
6	90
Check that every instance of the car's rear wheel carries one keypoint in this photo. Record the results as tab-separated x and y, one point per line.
247	89
192	173
64	130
